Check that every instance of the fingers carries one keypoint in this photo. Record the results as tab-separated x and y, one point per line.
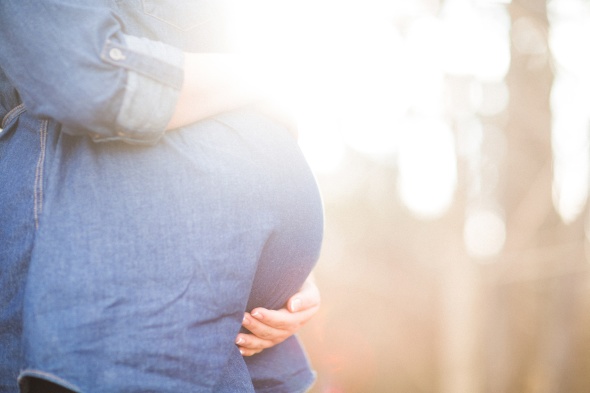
265	321
249	352
249	344
280	114
269	325
270	328
262	337
307	297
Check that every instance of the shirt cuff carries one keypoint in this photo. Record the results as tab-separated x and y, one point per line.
154	80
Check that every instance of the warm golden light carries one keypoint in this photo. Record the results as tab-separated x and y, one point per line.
427	167
450	137
570	115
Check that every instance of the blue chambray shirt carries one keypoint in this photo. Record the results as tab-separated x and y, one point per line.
112	70
109	70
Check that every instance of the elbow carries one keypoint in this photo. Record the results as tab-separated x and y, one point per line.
80	111
124	107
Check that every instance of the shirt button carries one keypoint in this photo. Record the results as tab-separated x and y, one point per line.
116	54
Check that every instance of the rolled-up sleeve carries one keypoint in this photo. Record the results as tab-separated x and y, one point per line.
154	79
71	62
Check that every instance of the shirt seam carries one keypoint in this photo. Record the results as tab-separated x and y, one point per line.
38	195
14	112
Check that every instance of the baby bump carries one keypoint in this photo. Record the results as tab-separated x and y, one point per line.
162	244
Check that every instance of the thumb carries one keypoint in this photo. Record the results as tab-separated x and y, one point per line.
308	297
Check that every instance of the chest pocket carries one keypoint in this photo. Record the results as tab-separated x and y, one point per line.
183	15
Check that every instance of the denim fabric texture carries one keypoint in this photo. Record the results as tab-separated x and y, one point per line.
72	62
137	282
126	266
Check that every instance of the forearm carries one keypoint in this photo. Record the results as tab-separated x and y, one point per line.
213	83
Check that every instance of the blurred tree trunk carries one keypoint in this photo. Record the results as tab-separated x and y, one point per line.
515	311
528	330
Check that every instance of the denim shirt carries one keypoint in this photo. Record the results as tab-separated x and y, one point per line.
108	69
111	70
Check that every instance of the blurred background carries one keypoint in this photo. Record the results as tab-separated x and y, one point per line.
450	143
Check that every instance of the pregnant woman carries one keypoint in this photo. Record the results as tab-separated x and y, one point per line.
146	203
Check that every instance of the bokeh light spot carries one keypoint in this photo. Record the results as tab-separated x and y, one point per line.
484	233
427	167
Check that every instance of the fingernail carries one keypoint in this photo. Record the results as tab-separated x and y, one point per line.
295	304
257	315
239	340
245	321
241	352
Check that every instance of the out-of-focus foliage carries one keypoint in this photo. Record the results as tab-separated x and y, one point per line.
450	142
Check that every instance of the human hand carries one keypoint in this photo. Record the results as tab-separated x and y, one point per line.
270	327
280	113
